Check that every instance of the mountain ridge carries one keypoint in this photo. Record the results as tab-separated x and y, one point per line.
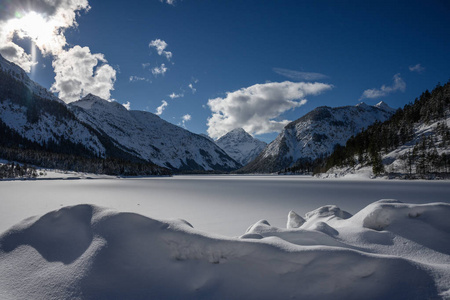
314	135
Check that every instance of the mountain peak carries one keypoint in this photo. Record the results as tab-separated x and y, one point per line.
88	101
383	105
240	145
362	105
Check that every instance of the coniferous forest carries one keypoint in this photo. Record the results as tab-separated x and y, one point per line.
422	159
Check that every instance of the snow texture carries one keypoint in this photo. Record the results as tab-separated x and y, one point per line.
49	128
388	250
241	146
149	137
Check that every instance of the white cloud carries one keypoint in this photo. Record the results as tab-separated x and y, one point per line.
161	70
296	75
161	108
184	119
398	85
146	65
160	47
127	105
137	78
43	21
417	68
170	2
257	108
80	72
173	96
193	89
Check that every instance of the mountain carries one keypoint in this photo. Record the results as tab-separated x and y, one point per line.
36	115
147	136
17	73
241	146
94	135
315	135
413	143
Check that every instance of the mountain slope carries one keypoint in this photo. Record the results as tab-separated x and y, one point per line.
241	146
315	135
149	137
35	115
414	143
38	128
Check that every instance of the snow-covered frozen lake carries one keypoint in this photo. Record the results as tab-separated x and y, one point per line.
225	205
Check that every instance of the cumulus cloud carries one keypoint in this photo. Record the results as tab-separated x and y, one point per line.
174	96
160	47
417	68
161	70
80	72
301	76
127	105
43	21
161	108
257	108
398	85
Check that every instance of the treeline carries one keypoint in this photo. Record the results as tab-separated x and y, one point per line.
62	161
366	147
14	170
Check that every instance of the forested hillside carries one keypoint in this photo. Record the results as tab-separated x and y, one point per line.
414	142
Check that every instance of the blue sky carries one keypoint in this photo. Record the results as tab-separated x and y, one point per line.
237	63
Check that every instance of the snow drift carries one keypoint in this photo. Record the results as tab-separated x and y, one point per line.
388	250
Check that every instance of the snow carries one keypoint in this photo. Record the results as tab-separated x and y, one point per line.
387	250
151	138
19	74
316	134
392	161
241	146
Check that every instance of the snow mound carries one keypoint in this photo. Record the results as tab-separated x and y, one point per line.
88	252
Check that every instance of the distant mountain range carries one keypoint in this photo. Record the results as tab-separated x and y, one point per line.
33	118
241	146
97	135
315	135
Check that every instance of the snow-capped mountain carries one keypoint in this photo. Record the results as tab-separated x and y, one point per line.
30	111
316	134
241	146
149	137
93	127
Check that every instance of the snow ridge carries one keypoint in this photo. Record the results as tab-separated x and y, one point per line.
241	146
388	250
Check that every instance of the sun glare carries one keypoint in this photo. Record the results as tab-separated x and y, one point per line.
33	25
36	27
